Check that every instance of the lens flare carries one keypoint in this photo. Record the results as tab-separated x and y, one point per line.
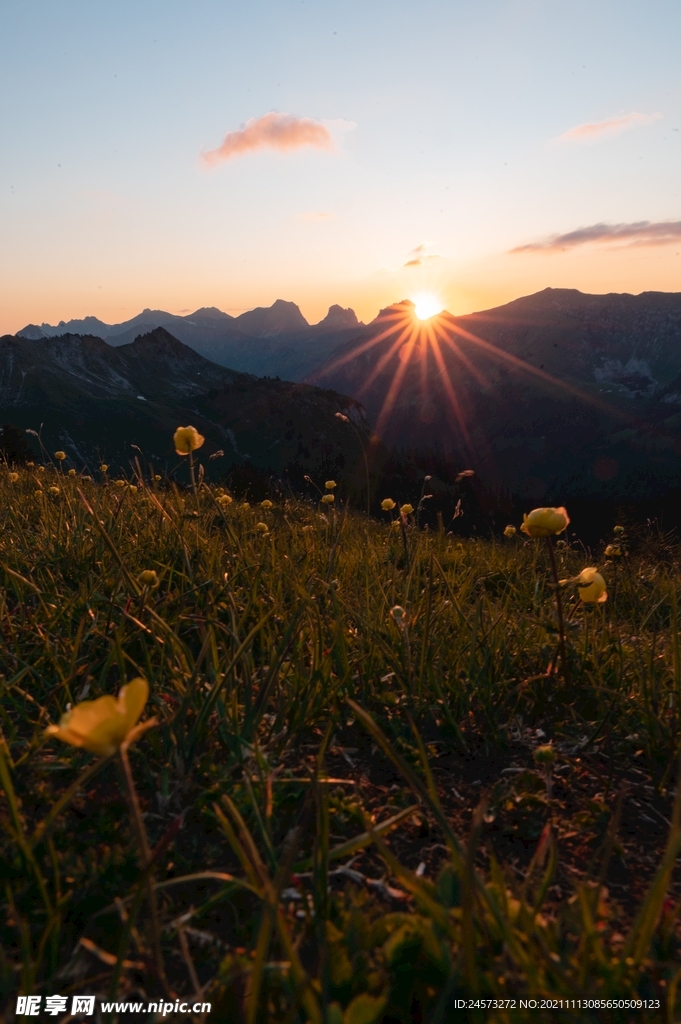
426	306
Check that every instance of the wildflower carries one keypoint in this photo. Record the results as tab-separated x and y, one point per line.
387	504
53	490
407	509
119	483
330	484
60	456
148	578
328	499
103	468
133	488
546	757
72	472
102	725
157	477
618	529
13	477
395	524
510	531
591	586
262	528
400	616
38	493
266	503
245	504
41	469
30	465
187	439
613	551
542	522
224	500
560	544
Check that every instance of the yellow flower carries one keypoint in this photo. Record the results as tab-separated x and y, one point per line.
613	551
543	522
544	754
157	477
407	509
266	503
103	468
88	478
30	465
13	477
148	578
187	439
618	529
262	528
395	524
245	504
41	469
101	725
133	488
72	472
387	504
510	531
119	483
328	499
591	586
330	484
53	490
224	499
38	492
60	456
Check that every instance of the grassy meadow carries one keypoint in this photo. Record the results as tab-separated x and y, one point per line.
338	815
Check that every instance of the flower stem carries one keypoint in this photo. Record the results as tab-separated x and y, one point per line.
145	858
559	608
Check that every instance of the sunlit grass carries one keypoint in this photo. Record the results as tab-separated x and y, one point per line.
287	644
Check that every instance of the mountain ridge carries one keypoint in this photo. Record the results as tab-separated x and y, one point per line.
97	401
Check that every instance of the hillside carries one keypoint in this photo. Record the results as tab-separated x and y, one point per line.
272	341
557	392
95	401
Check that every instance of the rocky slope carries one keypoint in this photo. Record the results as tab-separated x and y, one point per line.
555	393
99	402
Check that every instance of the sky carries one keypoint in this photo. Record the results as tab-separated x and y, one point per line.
173	154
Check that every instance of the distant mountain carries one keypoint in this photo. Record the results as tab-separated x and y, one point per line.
96	402
555	393
272	341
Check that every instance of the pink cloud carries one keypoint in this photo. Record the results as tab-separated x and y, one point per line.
611	126
643	232
274	131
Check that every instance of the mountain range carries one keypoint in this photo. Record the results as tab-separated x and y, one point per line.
272	341
557	393
99	402
552	395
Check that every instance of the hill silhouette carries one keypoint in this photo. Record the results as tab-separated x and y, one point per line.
96	401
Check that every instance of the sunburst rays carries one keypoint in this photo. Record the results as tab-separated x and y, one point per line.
407	335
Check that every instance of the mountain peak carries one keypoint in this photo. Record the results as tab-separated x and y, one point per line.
210	313
281	317
337	317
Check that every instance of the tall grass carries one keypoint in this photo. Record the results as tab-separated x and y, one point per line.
291	671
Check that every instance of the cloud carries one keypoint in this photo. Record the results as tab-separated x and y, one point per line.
273	131
642	232
611	126
419	256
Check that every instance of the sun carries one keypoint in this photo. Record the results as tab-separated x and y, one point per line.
426	305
